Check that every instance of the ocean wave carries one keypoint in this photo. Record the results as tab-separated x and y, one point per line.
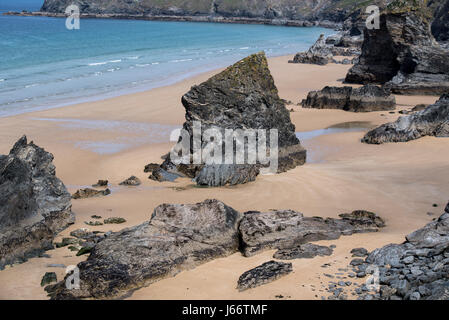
180	60
244	48
97	63
1	80
115	61
143	65
31	85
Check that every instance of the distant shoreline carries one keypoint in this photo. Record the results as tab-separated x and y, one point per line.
214	19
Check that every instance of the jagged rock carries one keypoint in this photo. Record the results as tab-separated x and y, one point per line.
432	121
162	175
151	167
403	55
440	24
287	229
93	223
49	277
131	181
243	96
419	107
90	193
101	183
225	174
418	268
305	251
34	203
263	274
177	237
114	220
320	53
66	242
359	252
365	99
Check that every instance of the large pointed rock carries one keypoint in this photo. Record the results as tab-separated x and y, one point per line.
34	203
432	121
177	237
243	96
403	54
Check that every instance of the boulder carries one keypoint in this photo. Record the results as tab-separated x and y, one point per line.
90	193
417	269
263	274
131	181
287	229
176	238
243	96
432	121
320	53
402	54
34	203
365	99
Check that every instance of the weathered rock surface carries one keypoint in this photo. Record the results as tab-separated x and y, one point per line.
418	268
243	96
432	121
324	49
131	181
177	237
90	193
304	251
263	274
403	55
34	203
365	99
287	229
320	53
440	24
101	183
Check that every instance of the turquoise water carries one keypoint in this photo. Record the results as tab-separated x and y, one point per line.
45	65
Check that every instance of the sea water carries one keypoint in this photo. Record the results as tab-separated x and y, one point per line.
44	65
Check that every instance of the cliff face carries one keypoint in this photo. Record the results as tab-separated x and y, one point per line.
333	10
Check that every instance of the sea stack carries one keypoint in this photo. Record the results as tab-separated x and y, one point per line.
243	96
34	204
402	54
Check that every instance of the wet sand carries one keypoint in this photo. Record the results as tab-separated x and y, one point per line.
115	138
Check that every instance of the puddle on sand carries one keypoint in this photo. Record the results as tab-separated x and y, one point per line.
317	153
134	133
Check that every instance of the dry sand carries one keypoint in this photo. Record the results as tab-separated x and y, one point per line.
400	181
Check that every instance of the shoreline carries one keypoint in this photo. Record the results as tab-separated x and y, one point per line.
173	18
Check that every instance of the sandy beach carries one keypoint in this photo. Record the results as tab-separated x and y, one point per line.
115	138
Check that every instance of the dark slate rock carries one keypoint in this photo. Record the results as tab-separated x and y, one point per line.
305	251
287	229
131	181
49	277
365	99
243	96
178	237
432	121
263	274
34	203
90	193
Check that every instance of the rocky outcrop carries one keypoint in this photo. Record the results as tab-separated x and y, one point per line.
440	24
131	181
403	55
324	49
34	203
304	251
242	97
417	269
274	11
320	53
432	121
288	229
90	193
176	238
263	274
365	99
